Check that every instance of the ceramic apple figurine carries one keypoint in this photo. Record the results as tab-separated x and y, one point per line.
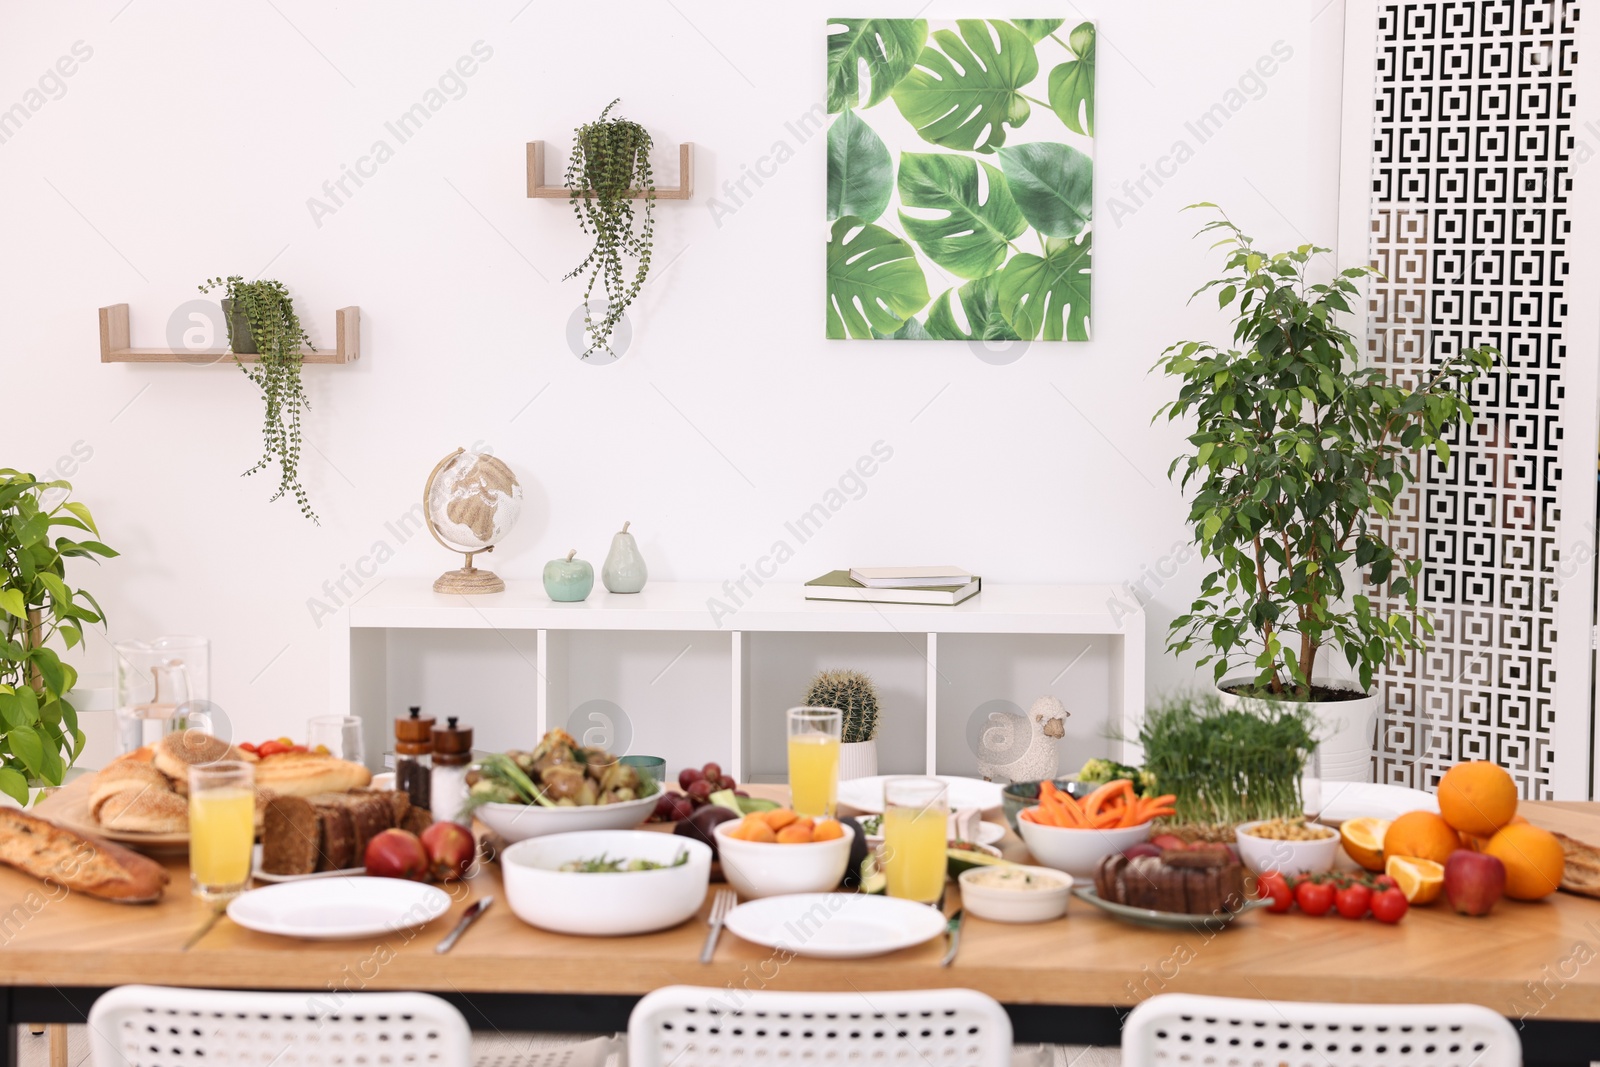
568	580
624	570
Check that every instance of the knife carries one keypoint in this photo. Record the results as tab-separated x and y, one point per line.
468	917
205	927
952	933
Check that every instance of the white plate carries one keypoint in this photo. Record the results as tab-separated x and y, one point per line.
866	794
989	833
835	926
333	909
1352	800
262	876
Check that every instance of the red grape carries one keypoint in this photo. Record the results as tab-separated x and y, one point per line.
713	771
687	777
700	790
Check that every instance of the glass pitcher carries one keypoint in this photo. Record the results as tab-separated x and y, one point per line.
161	686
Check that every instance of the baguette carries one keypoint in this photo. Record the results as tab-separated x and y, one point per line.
80	863
305	774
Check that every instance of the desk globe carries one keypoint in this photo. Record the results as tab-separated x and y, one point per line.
470	503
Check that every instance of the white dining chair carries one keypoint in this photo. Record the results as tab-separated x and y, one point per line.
1180	1030
719	1027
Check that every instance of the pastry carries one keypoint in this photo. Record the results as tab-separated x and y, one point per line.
305	774
80	863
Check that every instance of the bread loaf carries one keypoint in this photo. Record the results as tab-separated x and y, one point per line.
1184	882
338	838
80	863
330	831
306	774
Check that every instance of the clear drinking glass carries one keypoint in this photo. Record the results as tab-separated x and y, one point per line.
814	760
916	814
154	682
339	734
222	828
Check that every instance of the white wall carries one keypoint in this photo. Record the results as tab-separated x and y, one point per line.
188	143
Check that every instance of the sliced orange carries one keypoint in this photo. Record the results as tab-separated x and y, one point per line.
1363	841
1420	880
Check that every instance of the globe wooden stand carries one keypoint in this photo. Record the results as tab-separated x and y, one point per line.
468	579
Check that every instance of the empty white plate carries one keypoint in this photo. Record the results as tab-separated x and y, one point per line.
836	926
866	794
1339	801
332	909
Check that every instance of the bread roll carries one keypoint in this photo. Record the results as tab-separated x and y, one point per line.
125	777
147	810
177	752
304	774
80	863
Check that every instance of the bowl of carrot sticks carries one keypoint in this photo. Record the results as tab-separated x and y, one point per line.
1074	835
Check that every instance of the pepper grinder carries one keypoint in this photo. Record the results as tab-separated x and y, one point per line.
413	750
452	754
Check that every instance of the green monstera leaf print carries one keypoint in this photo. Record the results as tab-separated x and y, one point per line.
980	302
1038	29
874	282
1072	83
1049	293
1053	184
889	47
972	237
965	90
860	171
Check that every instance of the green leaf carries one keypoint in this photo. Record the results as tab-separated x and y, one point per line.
13	603
964	92
874	282
28	747
1037	29
980	302
82	511
889	48
1053	184
1049	293
860	172
19	707
1072	83
13	785
970	240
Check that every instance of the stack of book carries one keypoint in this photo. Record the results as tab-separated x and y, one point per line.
896	585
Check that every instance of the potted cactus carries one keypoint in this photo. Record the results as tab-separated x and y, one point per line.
853	694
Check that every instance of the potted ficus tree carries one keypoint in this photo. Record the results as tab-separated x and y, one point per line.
39	735
1299	454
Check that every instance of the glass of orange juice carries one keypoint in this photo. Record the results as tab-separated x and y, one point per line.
916	814
814	760
222	828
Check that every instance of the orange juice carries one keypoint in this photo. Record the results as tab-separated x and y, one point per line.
814	773
914	861
221	833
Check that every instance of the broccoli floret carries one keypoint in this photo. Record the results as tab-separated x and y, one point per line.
1098	770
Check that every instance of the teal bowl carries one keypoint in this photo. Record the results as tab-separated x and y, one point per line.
1020	795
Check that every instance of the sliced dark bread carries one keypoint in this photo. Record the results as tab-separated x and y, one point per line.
338	845
290	833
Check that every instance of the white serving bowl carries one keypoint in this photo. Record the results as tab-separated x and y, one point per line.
605	905
1262	854
768	869
1077	852
1015	905
518	822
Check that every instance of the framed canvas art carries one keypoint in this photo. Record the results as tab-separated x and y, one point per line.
960	179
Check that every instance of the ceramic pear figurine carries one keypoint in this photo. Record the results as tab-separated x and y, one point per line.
624	570
568	580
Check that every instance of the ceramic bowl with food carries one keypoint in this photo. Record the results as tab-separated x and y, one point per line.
1293	847
1019	795
769	869
612	903
1077	852
518	822
1013	893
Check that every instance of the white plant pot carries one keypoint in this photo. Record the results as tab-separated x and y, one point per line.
858	759
1345	727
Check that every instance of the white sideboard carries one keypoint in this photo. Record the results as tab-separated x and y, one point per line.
694	682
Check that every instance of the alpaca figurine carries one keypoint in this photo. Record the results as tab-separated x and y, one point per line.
1047	722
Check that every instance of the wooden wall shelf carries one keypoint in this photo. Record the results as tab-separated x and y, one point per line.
538	190
114	344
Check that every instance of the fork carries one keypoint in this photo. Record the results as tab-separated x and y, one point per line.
721	904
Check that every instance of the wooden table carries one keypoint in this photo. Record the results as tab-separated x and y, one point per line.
1069	981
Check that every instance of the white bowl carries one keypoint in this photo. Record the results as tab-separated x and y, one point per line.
1262	854
1077	852
605	905
518	822
769	869
1016	905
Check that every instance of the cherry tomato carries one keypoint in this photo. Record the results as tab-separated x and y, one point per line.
1389	905
245	746
1383	881
1353	901
1314	898
271	748
1271	886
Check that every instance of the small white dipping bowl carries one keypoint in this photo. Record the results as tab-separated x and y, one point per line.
1263	854
1077	852
768	869
1016	905
518	822
605	905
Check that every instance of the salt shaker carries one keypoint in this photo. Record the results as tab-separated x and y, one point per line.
452	754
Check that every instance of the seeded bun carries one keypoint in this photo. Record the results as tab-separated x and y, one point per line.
183	749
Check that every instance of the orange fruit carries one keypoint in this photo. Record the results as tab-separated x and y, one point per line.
1363	841
1533	858
1420	880
1477	798
827	830
1421	835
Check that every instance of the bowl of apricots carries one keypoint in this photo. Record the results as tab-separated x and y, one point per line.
769	853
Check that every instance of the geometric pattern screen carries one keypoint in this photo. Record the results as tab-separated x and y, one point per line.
1469	226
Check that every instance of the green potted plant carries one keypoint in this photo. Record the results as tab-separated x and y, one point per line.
261	319
610	160
40	738
857	700
1299	454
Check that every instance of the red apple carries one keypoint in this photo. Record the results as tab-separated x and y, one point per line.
451	850
1473	881
397	854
